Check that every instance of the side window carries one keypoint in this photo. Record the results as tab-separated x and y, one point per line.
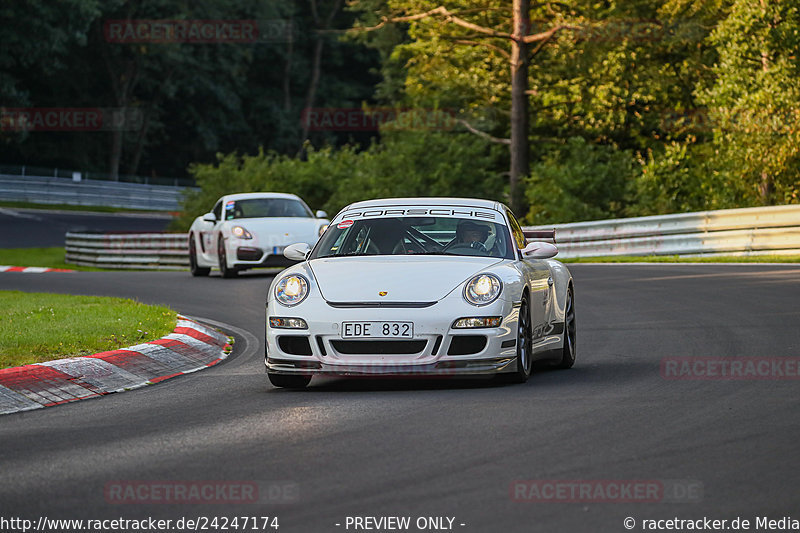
519	236
218	211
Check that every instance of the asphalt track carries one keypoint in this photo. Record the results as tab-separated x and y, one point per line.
442	448
41	228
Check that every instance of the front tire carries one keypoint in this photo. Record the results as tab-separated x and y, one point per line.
193	266
568	350
524	344
287	381
224	269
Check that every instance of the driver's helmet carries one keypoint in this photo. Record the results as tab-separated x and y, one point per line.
466	229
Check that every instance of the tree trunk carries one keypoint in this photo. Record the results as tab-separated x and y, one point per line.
316	61
287	70
311	93
520	165
141	135
115	154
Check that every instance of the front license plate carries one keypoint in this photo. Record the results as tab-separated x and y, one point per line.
277	250
353	330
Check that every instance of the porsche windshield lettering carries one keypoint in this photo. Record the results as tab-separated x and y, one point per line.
420	211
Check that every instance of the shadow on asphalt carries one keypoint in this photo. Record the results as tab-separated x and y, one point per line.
579	378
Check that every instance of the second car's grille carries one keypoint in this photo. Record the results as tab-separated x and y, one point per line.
378	347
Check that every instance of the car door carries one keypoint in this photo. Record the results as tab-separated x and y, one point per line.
537	277
209	232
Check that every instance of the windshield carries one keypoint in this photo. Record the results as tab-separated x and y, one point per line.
415	236
266	207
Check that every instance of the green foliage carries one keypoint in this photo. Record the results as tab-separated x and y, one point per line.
682	178
195	99
405	163
754	99
579	181
636	106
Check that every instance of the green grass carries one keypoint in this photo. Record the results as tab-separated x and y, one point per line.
69	207
36	327
679	259
38	257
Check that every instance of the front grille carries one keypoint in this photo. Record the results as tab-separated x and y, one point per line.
378	347
248	254
466	344
294	344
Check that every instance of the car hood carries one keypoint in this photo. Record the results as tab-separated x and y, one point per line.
402	278
286	230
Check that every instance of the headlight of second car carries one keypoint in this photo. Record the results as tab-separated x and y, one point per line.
240	232
483	289
291	290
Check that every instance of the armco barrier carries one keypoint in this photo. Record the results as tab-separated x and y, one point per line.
51	190
149	251
749	231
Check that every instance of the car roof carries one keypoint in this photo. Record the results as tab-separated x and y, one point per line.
438	201
251	195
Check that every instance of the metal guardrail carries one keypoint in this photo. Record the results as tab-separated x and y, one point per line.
43	172
140	251
748	231
53	190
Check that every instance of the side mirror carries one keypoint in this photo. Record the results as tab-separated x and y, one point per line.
209	217
321	214
540	250
297	252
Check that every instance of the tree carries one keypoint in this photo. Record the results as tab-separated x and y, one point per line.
754	99
504	31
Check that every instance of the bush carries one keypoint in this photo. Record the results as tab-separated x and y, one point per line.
683	178
405	163
579	181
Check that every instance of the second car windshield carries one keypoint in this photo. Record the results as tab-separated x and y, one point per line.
415	236
266	207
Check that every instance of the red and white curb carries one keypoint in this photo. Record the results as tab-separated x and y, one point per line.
32	270
189	348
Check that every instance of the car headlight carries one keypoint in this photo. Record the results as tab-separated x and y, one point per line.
291	290
241	233
322	229
483	289
287	323
478	322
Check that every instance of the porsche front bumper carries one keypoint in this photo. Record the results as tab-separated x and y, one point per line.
436	348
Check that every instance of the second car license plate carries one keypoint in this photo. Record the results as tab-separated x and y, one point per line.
351	330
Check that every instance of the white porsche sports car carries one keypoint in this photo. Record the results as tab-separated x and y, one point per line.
249	230
400	286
